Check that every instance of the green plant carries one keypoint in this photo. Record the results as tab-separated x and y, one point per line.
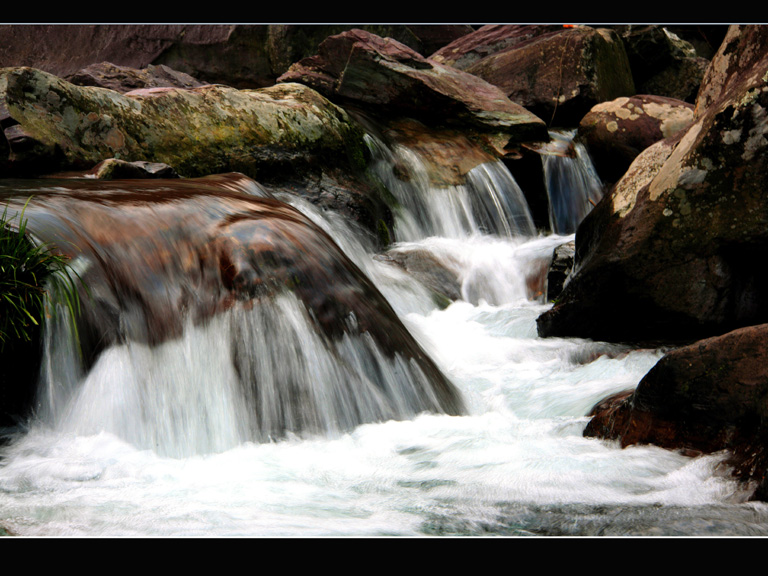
33	279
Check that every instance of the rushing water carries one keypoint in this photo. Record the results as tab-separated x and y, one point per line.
154	441
572	183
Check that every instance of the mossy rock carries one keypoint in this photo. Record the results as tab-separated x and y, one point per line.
51	124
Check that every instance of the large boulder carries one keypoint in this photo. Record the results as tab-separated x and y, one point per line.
740	58
385	77
221	245
702	398
615	132
673	251
48	122
557	73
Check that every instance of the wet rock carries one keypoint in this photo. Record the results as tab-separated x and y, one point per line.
616	132
158	255
447	154
359	200
555	72
669	254
527	168
702	398
286	136
444	279
384	76
560	269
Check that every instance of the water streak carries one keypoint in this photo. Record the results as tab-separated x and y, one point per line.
572	183
489	202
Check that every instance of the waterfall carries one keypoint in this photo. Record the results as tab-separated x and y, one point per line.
190	341
488	202
572	183
251	367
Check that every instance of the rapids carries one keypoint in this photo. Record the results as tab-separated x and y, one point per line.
156	437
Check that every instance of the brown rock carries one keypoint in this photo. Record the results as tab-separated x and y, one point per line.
469	49
559	74
286	136
741	55
434	37
616	132
701	398
242	56
442	278
386	77
560	269
50	122
671	252
662	63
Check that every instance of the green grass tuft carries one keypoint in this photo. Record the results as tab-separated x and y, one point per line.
33	279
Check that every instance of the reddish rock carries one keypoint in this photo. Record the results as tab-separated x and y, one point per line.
63	50
487	40
616	132
671	252
555	72
434	37
701	398
386	77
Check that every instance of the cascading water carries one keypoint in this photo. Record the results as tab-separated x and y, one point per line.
572	183
489	202
210	320
159	438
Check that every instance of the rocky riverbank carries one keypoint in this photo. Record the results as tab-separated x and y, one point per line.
670	255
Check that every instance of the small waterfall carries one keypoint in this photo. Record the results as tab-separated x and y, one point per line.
489	202
216	315
159	430
572	184
251	374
